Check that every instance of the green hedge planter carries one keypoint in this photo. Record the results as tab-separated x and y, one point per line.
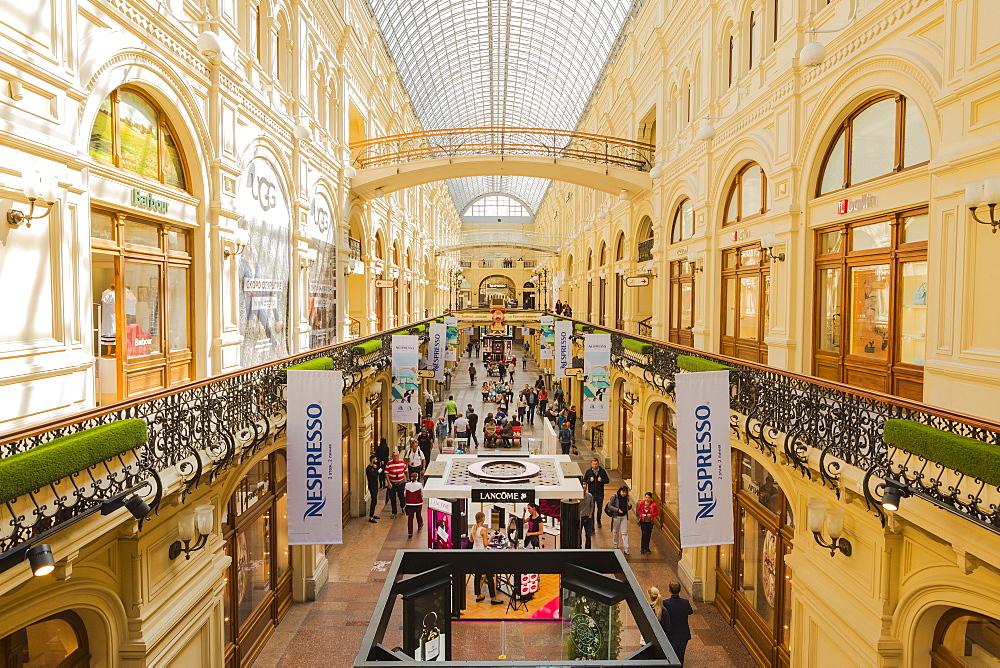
691	363
318	364
967	455
417	329
637	346
61	457
367	348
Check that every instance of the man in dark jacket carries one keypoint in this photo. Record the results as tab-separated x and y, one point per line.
595	479
382	457
473	419
531	399
679	609
372	472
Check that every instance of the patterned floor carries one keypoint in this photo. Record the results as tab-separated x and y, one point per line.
326	633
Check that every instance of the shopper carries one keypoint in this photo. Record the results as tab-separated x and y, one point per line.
543	400
395	472
587	510
595	479
473	424
572	418
647	512
567	311
656	602
679	610
372	474
522	406
415	460
414	504
451	411
442	427
531	399
557	393
559	307
565	439
532	527
382	455
480	538
462	427
619	507
425	441
524	362
502	371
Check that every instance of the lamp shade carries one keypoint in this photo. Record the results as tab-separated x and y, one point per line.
812	54
974	193
991	190
816	515
706	132
241	236
205	515
655	172
209	43
302	131
185	526
350	172
41	560
835	522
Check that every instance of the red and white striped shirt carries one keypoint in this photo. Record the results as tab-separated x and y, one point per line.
395	471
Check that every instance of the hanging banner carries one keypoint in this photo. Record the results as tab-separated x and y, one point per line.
436	348
548	338
405	378
451	354
564	347
322	292
704	460
315	479
596	377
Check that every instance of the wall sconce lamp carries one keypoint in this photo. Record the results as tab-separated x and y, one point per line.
309	258
892	493
34	189
241	239
693	266
984	193
201	518
814	53
767	243
41	560
833	517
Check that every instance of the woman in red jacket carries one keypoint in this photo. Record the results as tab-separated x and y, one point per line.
647	512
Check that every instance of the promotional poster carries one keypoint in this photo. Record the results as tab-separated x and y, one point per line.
436	346
405	379
704	460
315	479
451	354
596	378
322	295
564	347
547	339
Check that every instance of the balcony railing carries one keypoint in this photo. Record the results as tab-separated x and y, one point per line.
645	250
547	243
465	264
646	327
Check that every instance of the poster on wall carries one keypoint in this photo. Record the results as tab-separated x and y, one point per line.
405	380
315	479
704	460
321	306
547	339
451	355
436	348
263	265
596	378
564	347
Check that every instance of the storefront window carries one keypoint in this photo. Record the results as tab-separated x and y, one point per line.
284	563
745	283
868	237
177	296
683	225
142	308
758	483
870	311
102	225
786	603
872	141
758	560
254	487
748	195
829	309
253	566
681	310
749	293
913	315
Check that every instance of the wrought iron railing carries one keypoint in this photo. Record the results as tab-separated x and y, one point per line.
819	428
465	264
645	327
537	142
645	248
546	243
198	430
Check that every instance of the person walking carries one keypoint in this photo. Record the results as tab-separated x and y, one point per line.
647	512
382	455
527	347
595	479
679	609
533	527
414	504
572	419
395	472
567	311
522	406
511	368
524	363
559	307
656	602
587	510
502	371
372	474
472	373
415	460
480	537
425	441
543	400
619	507
473	424
462	429
557	393
531	399
565	439
451	411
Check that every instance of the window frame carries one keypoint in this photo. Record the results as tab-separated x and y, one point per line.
676	222
681	274
736	188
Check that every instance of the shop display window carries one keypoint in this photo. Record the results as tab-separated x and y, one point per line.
682	305
253	566
745	285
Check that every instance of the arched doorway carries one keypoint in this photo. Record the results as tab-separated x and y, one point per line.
59	641
528	295
496	286
964	638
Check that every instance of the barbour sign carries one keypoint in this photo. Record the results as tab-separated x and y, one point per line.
147	201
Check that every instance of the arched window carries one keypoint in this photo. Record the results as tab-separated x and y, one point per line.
590	260
59	641
603	256
620	247
884	136
748	194
754	40
683	225
964	638
731	62
497	206
645	236
131	132
253	30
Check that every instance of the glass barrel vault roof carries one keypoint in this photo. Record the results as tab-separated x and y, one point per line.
509	63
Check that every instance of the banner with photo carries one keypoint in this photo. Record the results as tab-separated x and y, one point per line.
315	479
704	459
597	378
451	354
405	379
322	292
436	348
547	339
564	347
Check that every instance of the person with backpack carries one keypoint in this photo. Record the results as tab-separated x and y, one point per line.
565	439
617	509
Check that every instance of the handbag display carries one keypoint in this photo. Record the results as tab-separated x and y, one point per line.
920	295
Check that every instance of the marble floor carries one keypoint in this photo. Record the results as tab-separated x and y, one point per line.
328	631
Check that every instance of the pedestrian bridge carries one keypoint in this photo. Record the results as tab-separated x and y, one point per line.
609	164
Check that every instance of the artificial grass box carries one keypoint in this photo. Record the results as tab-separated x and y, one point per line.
61	457
367	348
637	346
691	363
965	455
318	364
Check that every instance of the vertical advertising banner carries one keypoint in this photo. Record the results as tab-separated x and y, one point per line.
547	340
436	348
405	379
322	290
451	355
704	461
315	479
564	347
597	378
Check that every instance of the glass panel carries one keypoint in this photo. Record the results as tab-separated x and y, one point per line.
687	304
829	310
137	131
915	228
726	559
142	234
749	307
675	306
732	210
829	242
868	237
870	309
765	308
178	300
280	468
758	566
974	638
177	240
913	315
173	166
729	259
833	171
45	644
786	602
142	308
659	444
752	182
102	225
101	135
253	566
730	300
253	487
916	145
750	256
254	30
687	215
873	141
284	562
227	606
756	481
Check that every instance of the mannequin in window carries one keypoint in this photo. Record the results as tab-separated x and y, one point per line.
107	328
131	304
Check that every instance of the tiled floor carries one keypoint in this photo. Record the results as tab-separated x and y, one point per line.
328	632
